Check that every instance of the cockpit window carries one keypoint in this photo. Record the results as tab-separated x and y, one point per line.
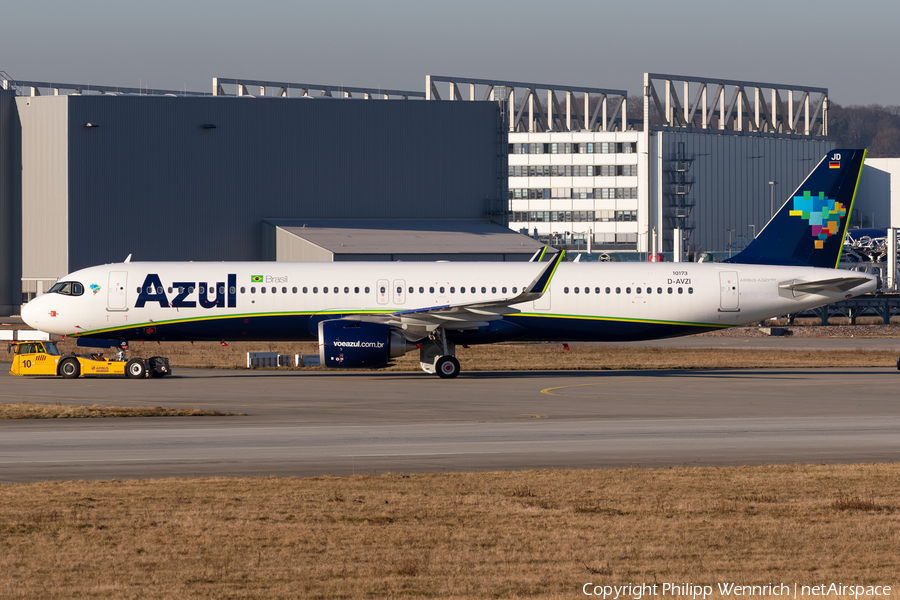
67	288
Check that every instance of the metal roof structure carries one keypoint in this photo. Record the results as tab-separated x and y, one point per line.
405	239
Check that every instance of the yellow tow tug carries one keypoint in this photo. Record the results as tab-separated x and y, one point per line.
43	358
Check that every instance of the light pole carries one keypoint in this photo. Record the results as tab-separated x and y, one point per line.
772	185
753	227
730	231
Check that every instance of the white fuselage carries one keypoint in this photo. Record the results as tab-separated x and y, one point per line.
276	300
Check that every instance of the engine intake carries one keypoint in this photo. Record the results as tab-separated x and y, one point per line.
351	344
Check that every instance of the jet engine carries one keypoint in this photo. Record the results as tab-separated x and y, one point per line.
351	344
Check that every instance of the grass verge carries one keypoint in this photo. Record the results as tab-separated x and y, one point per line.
536	534
27	410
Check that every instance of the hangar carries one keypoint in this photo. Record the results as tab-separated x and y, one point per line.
168	176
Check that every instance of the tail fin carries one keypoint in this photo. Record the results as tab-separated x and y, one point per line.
810	228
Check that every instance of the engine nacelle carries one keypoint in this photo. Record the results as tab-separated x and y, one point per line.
351	344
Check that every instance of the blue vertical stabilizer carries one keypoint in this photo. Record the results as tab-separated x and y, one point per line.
810	228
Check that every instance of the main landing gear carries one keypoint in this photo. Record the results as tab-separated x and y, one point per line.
438	356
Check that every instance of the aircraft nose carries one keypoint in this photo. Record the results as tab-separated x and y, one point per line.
31	313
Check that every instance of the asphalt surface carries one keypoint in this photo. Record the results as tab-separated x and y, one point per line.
311	423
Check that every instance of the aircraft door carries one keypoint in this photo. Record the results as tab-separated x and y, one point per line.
381	291
118	283
729	292
399	290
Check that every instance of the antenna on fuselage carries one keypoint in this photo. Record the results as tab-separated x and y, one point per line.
127	259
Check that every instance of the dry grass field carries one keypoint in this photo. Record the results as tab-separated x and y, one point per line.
27	410
470	535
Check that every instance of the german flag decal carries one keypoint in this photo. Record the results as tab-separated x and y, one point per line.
256	279
834	164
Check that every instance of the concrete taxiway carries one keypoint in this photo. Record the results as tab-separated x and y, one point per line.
303	423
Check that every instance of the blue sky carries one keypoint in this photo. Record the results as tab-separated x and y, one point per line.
851	48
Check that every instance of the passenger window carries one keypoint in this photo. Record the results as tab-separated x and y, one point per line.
367	289
659	290
294	290
452	290
221	289
565	290
462	290
628	290
202	290
139	290
399	290
431	290
680	290
383	290
262	290
607	290
587	290
253	290
232	290
304	289
190	289
442	289
324	289
315	290
170	290
243	290
649	290
690	290
411	289
472	290
637	291
484	290
283	290
493	290
335	290
275	289
503	289
346	290
356	290
421	290
576	290
670	290
514	290
618	290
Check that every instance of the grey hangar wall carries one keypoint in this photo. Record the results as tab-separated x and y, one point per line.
193	178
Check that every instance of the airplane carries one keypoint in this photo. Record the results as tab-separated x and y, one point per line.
365	314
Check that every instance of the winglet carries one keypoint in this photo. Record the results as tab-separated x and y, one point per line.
538	255
542	281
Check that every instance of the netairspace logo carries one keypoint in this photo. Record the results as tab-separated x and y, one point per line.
358	344
638	591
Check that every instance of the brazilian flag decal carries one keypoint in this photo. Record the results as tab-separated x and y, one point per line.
256	279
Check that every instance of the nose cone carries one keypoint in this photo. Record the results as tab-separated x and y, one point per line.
31	313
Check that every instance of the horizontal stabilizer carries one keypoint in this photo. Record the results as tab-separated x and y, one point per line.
837	284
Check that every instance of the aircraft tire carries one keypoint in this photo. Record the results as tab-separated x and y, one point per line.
447	367
136	369
69	368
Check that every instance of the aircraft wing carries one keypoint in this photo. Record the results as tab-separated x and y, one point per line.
835	284
467	315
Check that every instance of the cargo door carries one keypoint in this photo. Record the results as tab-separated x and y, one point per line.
381	291
399	291
729	292
118	283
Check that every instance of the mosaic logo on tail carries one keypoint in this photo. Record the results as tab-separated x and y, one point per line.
823	214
